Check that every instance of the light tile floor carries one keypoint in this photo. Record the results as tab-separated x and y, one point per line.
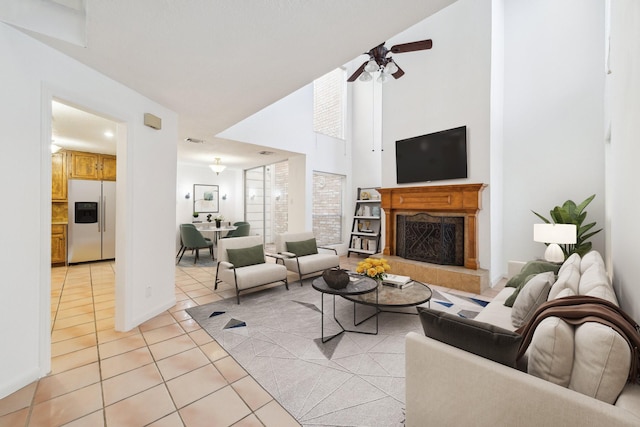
167	372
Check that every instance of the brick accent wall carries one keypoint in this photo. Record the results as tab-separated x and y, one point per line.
327	207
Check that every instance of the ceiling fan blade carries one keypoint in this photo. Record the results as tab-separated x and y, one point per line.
398	73
357	73
411	47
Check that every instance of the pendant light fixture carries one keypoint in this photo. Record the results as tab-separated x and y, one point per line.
216	166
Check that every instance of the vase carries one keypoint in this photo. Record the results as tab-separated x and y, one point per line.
218	223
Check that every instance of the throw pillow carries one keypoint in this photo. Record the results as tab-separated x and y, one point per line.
512	298
483	339
573	259
532	267
532	295
246	256
303	247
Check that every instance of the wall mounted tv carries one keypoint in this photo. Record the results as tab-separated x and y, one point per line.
432	157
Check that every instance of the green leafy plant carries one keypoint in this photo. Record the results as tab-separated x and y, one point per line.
570	213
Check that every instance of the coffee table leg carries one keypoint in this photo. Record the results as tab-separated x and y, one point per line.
377	312
322	319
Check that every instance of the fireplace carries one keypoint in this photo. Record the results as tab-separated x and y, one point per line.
429	238
462	201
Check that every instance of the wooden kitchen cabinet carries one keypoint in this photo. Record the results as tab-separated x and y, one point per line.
59	177
107	167
58	243
84	165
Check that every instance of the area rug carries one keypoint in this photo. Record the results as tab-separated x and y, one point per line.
352	380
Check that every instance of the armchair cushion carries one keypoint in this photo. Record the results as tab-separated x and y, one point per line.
303	247
246	256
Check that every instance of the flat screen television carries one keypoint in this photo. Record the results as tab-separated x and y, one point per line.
432	157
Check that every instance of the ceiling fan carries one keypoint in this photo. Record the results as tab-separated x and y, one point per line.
379	61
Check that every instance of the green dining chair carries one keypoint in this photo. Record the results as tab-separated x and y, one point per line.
242	229
193	239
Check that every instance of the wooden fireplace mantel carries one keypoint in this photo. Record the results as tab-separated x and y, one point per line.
463	200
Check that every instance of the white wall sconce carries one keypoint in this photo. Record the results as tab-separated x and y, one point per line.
554	234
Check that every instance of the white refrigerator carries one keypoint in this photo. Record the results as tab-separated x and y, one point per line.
92	220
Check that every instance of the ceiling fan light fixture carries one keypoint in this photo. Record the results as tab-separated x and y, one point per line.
372	66
217	167
365	77
383	78
391	67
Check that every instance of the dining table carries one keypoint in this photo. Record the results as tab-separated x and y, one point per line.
215	233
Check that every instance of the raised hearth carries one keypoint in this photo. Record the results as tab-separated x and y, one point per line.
460	278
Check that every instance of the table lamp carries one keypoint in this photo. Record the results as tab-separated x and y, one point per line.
554	234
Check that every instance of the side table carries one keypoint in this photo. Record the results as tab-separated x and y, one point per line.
363	285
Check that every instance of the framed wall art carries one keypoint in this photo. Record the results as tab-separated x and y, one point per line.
205	198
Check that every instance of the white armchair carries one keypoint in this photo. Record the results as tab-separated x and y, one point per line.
300	254
242	263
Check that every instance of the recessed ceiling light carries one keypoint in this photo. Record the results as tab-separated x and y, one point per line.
108	134
266	153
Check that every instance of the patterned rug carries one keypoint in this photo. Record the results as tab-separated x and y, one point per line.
352	380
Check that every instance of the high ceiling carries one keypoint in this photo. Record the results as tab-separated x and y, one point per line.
216	62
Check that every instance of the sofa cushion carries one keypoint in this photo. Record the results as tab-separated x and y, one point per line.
246	256
602	362
551	351
573	259
570	278
595	282
532	267
483	339
530	297
303	247
496	312
589	259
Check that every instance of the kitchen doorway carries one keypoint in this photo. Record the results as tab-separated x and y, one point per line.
83	291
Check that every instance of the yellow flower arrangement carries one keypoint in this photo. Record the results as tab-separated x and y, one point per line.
376	268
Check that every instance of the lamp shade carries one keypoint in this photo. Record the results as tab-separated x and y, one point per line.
555	233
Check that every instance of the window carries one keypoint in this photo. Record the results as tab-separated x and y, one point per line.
329	103
327	212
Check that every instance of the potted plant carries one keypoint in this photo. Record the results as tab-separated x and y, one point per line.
218	220
570	213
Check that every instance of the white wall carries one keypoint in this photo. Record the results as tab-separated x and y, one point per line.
31	75
622	172
288	125
229	182
553	115
445	87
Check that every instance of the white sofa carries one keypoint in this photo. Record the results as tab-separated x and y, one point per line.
449	386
